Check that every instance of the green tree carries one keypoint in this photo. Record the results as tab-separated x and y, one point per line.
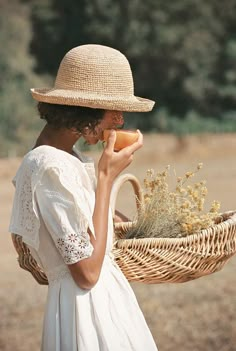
181	52
18	121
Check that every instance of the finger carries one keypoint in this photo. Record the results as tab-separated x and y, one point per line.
111	140
136	145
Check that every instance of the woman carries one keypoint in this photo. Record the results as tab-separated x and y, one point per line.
62	212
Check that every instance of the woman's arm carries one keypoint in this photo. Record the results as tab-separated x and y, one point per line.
86	272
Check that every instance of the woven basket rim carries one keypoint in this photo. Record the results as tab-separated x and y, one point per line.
182	240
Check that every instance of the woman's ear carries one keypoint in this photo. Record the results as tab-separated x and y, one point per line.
75	131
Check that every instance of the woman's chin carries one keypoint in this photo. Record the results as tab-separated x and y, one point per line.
91	141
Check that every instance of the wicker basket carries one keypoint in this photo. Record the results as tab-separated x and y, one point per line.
156	260
172	260
26	260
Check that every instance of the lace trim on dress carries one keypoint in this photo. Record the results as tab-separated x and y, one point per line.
74	248
25	218
25	215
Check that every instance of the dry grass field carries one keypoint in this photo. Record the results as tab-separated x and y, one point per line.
197	316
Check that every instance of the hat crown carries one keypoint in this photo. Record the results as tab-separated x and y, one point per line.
94	76
95	69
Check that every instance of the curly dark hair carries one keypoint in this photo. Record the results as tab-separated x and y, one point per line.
63	116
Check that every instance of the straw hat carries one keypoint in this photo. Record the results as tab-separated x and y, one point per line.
94	76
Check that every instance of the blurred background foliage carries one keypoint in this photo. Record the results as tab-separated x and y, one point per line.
182	53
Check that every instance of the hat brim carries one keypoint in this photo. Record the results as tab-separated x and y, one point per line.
80	98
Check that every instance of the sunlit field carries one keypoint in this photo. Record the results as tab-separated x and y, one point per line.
198	315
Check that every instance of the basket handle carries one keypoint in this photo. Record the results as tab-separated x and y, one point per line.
122	179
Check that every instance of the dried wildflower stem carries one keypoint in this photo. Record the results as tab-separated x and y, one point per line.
176	213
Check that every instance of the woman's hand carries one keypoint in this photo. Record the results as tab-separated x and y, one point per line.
112	163
86	272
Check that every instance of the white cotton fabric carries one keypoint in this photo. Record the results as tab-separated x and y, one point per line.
52	210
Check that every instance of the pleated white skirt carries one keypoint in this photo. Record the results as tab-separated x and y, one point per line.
105	318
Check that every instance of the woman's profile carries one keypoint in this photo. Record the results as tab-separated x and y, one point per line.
61	205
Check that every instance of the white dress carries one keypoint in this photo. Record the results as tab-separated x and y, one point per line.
52	210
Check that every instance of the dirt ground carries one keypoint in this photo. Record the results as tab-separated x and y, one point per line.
197	316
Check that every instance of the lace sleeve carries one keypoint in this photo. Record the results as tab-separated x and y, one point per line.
65	215
74	247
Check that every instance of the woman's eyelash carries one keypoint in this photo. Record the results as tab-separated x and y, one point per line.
120	126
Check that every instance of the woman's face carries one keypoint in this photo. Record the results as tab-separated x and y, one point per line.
111	120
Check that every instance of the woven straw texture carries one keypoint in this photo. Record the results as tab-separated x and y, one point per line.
26	260
153	261
177	260
94	76
172	260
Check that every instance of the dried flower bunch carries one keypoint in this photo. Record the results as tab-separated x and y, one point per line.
176	213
